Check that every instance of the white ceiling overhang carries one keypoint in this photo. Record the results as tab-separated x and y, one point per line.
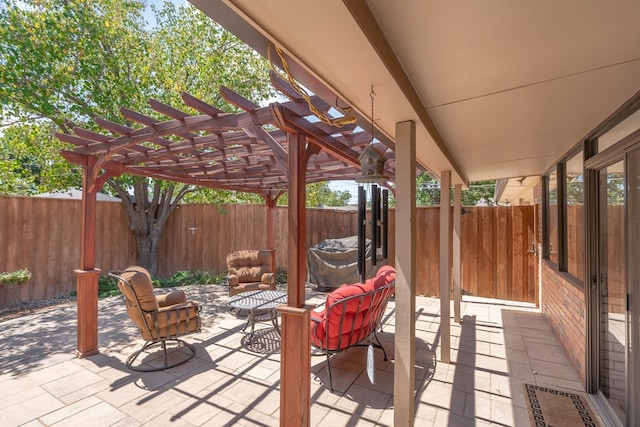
497	89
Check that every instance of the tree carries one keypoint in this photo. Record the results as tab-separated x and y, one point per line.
27	168
319	194
428	192
65	62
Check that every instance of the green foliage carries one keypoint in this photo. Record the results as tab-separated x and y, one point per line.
66	62
108	286
615	189
428	192
319	195
219	197
189	277
281	277
15	278
575	190
30	161
180	63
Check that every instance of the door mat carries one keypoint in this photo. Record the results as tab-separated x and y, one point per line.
548	407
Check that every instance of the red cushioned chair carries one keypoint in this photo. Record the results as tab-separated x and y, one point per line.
351	314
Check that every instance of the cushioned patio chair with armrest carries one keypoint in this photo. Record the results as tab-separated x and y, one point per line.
249	270
351	314
160	319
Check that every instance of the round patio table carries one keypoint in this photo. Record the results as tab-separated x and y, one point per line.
261	306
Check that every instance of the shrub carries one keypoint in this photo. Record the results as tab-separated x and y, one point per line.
107	287
190	277
281	277
14	278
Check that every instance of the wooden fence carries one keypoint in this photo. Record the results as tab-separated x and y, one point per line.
43	235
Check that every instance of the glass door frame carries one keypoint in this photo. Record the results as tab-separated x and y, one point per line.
593	166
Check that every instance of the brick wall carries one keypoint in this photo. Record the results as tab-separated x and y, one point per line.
563	306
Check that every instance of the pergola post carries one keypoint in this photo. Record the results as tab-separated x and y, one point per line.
405	336
295	363
87	275
270	201
445	262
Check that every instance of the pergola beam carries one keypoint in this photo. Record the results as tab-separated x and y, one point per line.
222	150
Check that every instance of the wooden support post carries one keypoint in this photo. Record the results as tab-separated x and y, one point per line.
405	336
87	302
295	363
457	229
297	258
271	240
295	366
445	262
87	275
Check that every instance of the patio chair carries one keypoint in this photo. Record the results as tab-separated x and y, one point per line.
351	316
249	270
160	319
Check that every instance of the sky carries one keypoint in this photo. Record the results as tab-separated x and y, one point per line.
148	14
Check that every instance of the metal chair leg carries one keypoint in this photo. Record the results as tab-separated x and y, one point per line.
132	358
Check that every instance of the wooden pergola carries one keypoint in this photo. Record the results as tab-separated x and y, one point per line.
263	150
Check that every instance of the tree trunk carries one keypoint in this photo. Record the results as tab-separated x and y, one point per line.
147	251
148	215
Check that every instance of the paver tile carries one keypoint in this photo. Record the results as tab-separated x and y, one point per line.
494	352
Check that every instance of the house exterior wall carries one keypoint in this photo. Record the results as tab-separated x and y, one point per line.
563	305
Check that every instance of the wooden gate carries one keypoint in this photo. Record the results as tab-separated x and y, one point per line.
496	257
496	252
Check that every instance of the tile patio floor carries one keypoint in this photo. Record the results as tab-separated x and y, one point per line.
498	347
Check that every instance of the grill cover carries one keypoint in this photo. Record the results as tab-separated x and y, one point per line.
334	262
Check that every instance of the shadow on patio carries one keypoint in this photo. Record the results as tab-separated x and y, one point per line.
498	347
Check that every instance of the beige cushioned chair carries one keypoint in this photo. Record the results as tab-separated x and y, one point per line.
249	270
160	319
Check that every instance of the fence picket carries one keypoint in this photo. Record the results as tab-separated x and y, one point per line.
43	236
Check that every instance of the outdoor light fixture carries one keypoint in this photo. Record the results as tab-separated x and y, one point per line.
372	165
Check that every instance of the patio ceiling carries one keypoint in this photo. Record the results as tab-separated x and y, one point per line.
497	89
244	151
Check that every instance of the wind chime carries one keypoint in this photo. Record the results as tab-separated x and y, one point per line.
372	165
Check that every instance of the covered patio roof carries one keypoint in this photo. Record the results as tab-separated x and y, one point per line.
497	89
231	151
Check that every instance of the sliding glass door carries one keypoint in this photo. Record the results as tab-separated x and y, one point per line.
633	286
612	289
615	295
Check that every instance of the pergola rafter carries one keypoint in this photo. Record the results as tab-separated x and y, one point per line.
245	151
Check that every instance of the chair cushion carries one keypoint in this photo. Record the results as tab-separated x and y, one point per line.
175	297
167	316
385	275
175	320
140	280
178	329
